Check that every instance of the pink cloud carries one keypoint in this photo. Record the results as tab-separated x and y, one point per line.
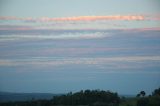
15	27
78	18
94	18
142	29
15	18
153	17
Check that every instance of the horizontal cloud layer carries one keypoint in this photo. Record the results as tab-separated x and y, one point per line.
128	64
115	61
16	34
80	22
78	18
94	18
91	35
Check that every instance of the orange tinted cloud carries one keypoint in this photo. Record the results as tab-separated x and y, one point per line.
94	18
15	18
79	18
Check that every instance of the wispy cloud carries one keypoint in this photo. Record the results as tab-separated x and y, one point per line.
81	22
95	18
15	27
91	35
109	62
28	33
16	18
78	18
143	29
155	17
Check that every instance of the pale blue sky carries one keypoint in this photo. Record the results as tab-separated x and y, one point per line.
80	44
61	8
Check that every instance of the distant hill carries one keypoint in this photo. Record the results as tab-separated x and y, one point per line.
7	96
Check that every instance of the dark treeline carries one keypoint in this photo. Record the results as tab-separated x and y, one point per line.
93	98
151	100
88	97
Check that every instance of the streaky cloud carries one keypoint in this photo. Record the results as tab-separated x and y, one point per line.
80	22
95	18
88	61
93	35
15	27
78	18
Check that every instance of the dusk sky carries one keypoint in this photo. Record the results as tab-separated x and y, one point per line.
58	46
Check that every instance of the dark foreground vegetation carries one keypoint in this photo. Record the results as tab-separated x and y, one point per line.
93	98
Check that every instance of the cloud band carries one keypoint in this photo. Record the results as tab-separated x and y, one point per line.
78	18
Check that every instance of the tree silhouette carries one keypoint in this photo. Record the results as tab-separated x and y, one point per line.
88	97
92	98
138	95
156	92
143	93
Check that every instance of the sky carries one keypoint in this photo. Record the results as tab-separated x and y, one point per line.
58	46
